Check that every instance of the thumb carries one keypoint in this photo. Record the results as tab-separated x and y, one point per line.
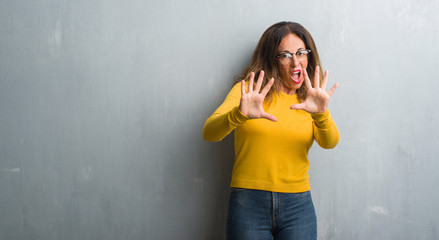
299	106
269	117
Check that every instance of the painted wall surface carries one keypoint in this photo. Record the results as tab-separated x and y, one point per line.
102	103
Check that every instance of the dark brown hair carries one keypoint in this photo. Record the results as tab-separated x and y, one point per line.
264	57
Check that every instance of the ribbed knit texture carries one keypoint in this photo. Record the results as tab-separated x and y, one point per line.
271	156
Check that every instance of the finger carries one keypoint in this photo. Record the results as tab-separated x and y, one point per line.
250	82
267	87
325	79
242	88
331	91
306	77
317	77
299	106
269	117
259	82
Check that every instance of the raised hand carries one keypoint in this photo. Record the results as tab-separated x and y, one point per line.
317	98
251	101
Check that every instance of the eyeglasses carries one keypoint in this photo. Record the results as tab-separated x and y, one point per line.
286	57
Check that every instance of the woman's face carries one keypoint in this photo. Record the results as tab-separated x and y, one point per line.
292	73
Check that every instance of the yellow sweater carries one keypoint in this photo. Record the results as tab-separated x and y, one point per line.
271	156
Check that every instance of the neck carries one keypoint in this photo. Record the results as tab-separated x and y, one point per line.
289	91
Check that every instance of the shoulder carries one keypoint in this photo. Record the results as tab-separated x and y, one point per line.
236	89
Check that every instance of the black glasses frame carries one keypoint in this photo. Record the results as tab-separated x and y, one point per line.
298	53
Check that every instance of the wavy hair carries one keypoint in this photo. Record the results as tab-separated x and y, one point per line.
264	57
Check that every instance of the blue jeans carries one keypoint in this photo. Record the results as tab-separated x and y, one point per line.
260	215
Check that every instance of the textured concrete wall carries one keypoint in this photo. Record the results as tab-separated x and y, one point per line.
102	103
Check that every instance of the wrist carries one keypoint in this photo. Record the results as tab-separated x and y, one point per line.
242	112
319	115
321	111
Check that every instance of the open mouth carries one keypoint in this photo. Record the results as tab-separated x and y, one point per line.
295	76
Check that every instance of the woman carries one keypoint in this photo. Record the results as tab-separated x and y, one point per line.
276	120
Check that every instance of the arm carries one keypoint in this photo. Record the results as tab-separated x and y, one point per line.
325	131
240	105
226	118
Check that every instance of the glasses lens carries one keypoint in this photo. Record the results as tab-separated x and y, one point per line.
302	56
284	59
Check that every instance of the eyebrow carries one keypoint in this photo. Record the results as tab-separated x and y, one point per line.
286	51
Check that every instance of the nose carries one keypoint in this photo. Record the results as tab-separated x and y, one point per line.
294	61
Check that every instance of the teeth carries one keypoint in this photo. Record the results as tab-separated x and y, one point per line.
295	75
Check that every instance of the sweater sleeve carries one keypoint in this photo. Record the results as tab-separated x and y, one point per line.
226	118
325	131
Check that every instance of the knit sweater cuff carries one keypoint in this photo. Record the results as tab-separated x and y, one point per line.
237	117
322	120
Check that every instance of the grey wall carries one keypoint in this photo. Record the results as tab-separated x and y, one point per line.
102	105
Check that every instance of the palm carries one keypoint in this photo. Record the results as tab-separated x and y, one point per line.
317	98
252	101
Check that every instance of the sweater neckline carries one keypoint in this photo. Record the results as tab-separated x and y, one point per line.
285	94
